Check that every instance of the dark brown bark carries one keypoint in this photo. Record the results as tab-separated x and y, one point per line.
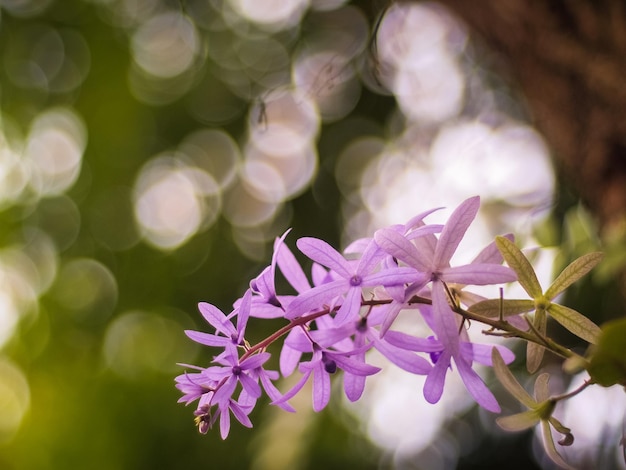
569	58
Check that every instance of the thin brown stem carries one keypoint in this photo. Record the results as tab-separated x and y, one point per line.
261	345
574	392
533	328
505	327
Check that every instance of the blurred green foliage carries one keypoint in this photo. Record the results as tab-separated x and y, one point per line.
99	390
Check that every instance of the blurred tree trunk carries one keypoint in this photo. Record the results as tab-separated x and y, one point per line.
569	58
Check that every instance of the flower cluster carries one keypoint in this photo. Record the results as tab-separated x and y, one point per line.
348	308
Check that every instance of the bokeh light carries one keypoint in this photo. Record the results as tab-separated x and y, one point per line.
26	270
173	201
271	14
166	45
14	398
215	152
54	150
14	174
137	343
87	290
25	8
242	209
48	59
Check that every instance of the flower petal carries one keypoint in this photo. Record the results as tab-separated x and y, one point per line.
294	390
353	366
491	254
349	310
216	319
324	254
316	298
454	230
372	255
321	387
263	284
403	359
225	391
291	269
240	414
475	386
394	277
481	353
254	361
436	378
273	392
391	313
478	274
243	314
445	322
207	339
417	220
354	385
250	385
224	422
399	247
411	343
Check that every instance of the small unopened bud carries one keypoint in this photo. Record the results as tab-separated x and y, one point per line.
330	366
567	440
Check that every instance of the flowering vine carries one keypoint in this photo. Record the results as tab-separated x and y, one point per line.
350	305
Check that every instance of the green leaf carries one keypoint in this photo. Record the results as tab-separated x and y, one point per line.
575	364
608	360
542	392
573	272
519	263
568	437
491	308
575	322
519	421
509	382
534	352
548	443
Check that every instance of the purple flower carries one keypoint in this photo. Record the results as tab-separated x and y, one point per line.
202	386
225	331
359	336
346	311
468	353
353	277
266	303
233	371
216	386
206	416
435	262
324	363
194	386
291	269
266	377
489	255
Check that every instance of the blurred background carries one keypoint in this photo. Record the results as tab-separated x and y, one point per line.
151	150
